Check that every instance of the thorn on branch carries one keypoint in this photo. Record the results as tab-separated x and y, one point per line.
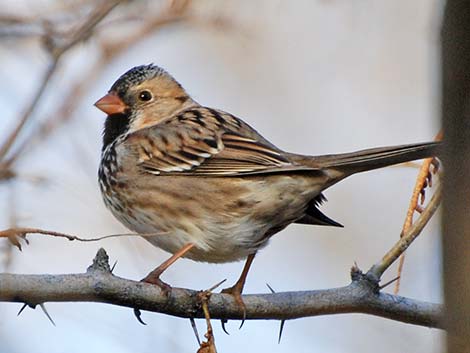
369	281
43	307
33	306
389	283
356	272
138	316
113	267
223	322
196	333
22	308
100	262
281	328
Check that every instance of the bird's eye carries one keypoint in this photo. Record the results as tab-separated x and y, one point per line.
145	96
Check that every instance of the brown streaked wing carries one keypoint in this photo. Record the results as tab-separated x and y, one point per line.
242	155
166	149
191	143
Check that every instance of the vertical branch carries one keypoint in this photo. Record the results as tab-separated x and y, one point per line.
56	51
423	180
456	216
5	147
177	11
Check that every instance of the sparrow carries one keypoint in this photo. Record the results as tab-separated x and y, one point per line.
212	187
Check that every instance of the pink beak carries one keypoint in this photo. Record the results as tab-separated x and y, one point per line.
111	104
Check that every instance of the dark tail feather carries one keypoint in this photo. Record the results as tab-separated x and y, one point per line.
360	161
314	216
318	218
346	164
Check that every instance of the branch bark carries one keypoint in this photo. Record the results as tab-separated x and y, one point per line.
98	284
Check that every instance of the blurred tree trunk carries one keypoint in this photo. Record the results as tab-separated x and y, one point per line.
456	217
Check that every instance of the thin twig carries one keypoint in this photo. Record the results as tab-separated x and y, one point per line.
109	50
414	204
209	345
379	268
84	31
14	233
423	180
56	52
29	110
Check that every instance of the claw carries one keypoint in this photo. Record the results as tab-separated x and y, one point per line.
154	276
166	289
235	292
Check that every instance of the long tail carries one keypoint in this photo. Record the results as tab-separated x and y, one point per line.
361	161
342	165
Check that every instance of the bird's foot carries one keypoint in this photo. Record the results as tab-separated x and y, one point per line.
155	280
154	276
236	292
164	287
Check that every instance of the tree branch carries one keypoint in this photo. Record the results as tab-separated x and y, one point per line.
56	50
98	284
408	237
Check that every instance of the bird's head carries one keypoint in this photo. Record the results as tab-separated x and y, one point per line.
141	97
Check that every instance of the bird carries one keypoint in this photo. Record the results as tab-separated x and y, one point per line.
206	183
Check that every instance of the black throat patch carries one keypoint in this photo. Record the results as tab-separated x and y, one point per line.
114	126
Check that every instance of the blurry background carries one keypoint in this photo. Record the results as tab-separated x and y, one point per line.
313	76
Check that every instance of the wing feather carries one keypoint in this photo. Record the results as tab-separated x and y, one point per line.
206	142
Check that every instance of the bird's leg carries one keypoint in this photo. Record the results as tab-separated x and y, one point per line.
154	276
237	289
